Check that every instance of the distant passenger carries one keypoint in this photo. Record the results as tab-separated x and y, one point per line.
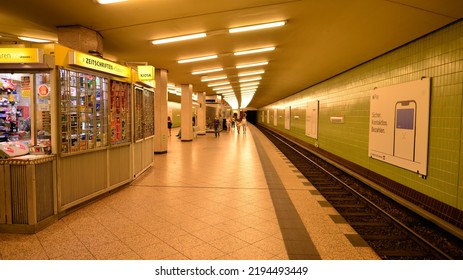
228	124
216	127
238	125
169	125
244	124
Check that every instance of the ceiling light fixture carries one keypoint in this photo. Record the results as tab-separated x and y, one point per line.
209	79
103	2
268	49
218	84
226	91
257	26
222	88
246	92
250	79
251	65
179	38
244	74
250	84
194	59
248	88
206	71
35	40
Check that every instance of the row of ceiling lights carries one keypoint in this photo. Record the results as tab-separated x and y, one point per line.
222	85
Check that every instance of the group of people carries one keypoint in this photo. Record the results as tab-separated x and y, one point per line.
231	123
238	123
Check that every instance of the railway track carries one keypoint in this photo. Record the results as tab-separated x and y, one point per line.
393	231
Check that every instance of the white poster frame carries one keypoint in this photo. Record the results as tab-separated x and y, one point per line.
311	119
399	125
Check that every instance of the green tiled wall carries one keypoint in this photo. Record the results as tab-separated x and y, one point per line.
439	56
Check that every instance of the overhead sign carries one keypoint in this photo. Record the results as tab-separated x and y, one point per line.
21	55
399	125
145	73
98	64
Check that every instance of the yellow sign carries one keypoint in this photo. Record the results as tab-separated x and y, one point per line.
21	55
98	64
146	73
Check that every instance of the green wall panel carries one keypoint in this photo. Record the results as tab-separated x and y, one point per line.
439	56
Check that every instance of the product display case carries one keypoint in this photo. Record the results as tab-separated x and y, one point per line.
148	113
84	121
120	112
144	113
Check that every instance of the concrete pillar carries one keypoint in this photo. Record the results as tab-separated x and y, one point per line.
187	105
202	113
160	112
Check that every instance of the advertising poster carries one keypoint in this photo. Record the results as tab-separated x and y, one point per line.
399	125
268	116
311	119
263	116
288	117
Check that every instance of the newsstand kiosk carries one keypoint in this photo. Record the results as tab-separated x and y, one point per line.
27	165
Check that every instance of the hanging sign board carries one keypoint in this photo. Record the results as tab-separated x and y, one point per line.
399	125
145	73
21	55
98	64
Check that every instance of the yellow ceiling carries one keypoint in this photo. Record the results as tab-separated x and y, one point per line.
321	38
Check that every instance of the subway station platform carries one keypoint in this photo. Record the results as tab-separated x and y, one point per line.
235	197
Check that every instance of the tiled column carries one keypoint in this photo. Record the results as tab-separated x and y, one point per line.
160	112
202	113
187	105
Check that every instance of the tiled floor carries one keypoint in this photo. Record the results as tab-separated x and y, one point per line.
231	197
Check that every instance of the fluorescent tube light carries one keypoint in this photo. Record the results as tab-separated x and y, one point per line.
218	84
251	64
206	71
250	79
248	88
194	59
103	2
226	91
255	51
222	88
179	38
35	40
209	79
250	84
248	91
256	27
244	74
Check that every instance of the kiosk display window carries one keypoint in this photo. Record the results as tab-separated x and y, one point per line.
84	117
24	112
120	112
148	113
144	113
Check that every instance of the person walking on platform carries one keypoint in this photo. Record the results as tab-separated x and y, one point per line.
169	125
238	125
244	123
228	124
216	127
